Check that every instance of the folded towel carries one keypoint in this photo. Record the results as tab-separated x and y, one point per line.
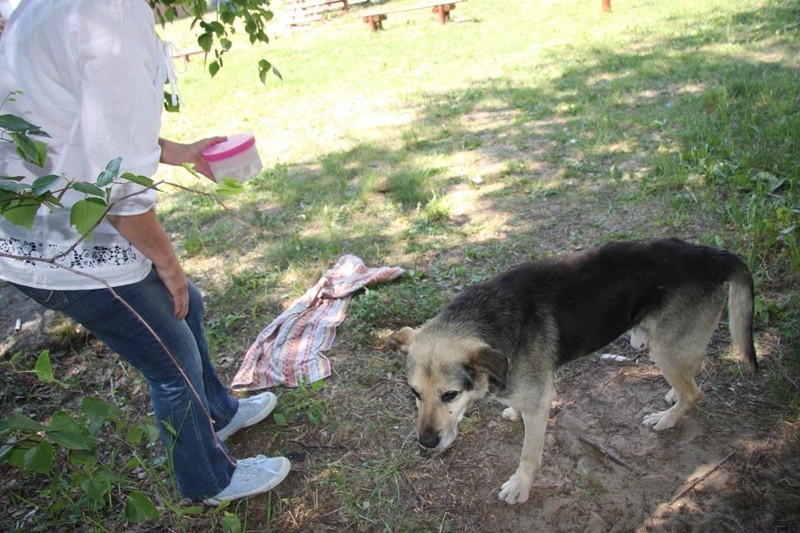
289	350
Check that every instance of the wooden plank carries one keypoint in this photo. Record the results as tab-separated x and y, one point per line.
318	10
187	54
315	5
303	6
388	11
302	21
374	17
294	4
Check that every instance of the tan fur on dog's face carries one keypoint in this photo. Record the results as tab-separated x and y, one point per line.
447	374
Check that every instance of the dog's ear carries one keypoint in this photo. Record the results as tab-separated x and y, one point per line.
492	363
400	340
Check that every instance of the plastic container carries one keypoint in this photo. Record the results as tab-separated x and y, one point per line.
235	158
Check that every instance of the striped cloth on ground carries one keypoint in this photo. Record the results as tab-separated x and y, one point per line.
289	350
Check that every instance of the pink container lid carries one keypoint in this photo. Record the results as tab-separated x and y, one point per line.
236	144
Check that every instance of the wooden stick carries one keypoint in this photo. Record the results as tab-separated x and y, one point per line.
602	449
694	483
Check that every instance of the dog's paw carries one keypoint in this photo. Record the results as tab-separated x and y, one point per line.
515	490
672	396
660	420
509	413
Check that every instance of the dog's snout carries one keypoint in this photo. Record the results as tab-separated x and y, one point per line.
429	440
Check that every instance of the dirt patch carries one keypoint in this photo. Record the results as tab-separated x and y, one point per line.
697	476
24	325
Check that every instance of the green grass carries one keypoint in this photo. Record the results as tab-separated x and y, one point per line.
516	131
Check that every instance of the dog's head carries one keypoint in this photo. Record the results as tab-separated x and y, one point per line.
447	371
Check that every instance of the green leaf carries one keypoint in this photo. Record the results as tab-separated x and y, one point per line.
43	184
44	368
96	489
30	150
135	434
86	213
21	212
65	431
169	107
152	433
171	14
97	411
39	458
89	188
141	180
213	68
139	507
264	67
83	460
231	524
50	201
193	510
23	423
279	420
104	472
17	456
205	41
217	27
11	184
110	173
15	124
7	448
229	187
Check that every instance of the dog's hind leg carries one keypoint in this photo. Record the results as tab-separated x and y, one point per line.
678	347
518	486
685	393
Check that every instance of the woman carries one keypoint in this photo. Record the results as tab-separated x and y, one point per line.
91	74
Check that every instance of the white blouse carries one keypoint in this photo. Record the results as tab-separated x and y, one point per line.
92	76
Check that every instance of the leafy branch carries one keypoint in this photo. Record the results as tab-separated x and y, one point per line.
215	36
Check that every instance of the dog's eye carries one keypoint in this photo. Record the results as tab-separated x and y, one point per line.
449	396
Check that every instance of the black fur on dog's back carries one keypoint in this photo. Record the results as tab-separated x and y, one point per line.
620	281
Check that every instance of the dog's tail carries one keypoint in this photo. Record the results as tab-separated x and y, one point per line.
740	314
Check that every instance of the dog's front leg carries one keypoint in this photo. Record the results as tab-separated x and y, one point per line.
518	486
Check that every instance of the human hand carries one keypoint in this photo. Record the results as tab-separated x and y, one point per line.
195	155
176	283
144	231
173	153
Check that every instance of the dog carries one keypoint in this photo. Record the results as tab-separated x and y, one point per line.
506	337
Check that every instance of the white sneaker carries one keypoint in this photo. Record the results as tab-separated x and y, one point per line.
253	476
251	411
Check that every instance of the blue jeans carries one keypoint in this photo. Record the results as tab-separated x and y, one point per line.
189	399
